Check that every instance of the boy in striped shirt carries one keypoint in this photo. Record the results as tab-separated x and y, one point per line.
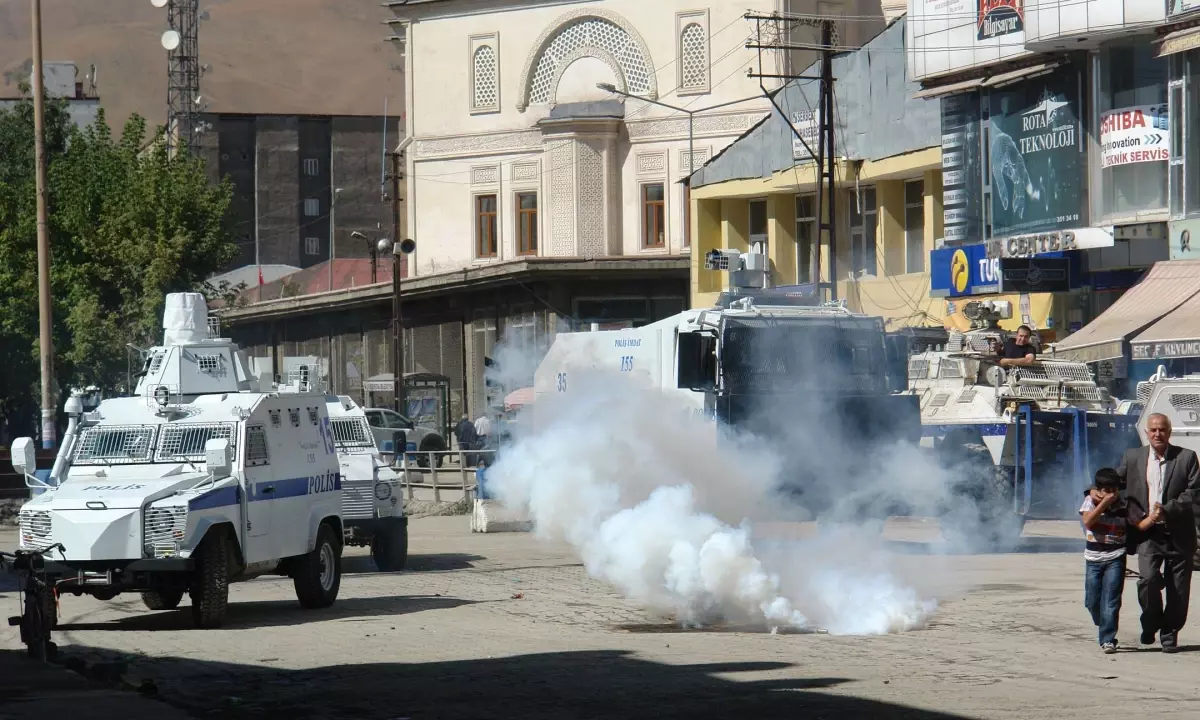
1104	555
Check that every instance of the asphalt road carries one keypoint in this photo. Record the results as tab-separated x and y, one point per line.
503	626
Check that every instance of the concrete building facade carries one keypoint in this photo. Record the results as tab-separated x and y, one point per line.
287	172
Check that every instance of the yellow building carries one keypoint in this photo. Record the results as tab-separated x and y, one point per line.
760	195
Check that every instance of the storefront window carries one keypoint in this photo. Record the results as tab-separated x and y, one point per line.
1188	135
1132	102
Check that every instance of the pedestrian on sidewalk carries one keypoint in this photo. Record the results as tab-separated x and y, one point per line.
1162	481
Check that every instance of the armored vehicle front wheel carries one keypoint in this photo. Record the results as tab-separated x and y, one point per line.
162	599
389	547
318	575
210	584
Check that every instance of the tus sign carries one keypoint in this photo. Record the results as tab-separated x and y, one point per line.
1000	17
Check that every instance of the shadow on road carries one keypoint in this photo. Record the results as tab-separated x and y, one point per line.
278	613
1027	545
416	563
589	684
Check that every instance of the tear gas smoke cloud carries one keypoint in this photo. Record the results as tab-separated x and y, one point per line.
659	502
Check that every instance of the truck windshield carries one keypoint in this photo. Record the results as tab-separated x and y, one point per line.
186	441
108	444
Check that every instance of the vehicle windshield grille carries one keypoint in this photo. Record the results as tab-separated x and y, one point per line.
110	444
352	433
186	442
835	356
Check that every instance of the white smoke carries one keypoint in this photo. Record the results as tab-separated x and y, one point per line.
659	503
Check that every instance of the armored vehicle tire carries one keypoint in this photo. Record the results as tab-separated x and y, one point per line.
210	583
389	547
318	575
162	599
979	515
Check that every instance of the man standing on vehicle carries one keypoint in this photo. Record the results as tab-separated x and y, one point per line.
1162	480
1016	351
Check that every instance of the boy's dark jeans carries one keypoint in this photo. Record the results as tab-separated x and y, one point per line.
1104	582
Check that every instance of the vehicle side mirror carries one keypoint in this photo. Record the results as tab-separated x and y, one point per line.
218	456
24	456
697	362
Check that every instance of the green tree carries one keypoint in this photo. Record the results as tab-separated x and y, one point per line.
127	225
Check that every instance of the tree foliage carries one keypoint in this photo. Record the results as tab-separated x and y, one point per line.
127	224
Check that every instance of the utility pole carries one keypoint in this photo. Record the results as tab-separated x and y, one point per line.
45	316
399	268
770	35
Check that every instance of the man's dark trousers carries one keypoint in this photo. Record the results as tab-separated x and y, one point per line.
1163	566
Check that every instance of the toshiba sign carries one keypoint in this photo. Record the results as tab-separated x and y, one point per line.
1134	135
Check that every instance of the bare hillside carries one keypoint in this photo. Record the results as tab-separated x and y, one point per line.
323	57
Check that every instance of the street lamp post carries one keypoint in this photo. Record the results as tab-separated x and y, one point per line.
45	319
359	236
332	232
397	249
687	209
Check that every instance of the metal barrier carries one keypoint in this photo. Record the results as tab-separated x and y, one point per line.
455	475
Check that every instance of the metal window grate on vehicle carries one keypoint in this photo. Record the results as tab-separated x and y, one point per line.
1070	372
312	415
950	369
1185	401
918	368
186	441
352	432
940	400
967	395
156	361
109	444
275	419
208	363
256	446
294	416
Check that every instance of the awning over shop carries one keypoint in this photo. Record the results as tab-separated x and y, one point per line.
1176	335
1025	73
1179	41
950	89
1167	286
518	399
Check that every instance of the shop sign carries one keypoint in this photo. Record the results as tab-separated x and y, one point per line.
1134	135
1165	350
808	124
1178	7
1036	155
1032	275
1020	246
1185	240
1000	17
962	173
963	271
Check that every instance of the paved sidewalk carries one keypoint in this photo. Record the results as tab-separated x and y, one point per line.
30	690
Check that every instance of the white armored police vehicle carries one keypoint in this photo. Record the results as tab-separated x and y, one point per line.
372	504
197	481
1034	433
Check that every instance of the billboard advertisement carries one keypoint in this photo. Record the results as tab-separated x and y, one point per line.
998	18
1178	7
963	271
1037	155
1134	135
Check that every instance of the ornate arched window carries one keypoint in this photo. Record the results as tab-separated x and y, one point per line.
485	86
592	33
693	58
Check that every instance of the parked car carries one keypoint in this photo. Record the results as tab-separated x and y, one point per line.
384	423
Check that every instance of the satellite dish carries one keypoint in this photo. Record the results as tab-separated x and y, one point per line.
170	39
158	3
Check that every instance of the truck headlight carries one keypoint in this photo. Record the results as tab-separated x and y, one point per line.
383	491
164	530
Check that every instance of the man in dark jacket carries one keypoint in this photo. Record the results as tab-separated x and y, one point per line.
467	438
1162	478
